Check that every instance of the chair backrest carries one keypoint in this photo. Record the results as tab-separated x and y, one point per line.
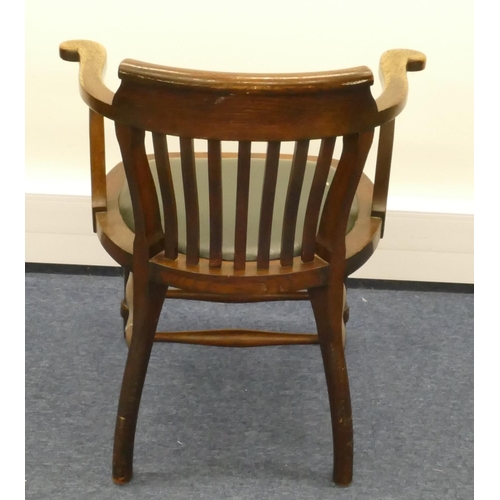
245	108
218	107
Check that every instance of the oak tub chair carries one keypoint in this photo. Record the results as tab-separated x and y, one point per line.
239	227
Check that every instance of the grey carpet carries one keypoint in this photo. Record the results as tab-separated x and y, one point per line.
249	423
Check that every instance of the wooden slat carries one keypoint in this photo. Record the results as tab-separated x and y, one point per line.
215	202
191	201
97	164
148	230
315	198
292	201
383	171
331	233
242	189
267	204
236	338
167	195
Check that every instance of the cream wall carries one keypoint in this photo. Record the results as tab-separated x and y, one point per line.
433	157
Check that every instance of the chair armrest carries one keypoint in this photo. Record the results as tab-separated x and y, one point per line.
92	59
383	172
394	65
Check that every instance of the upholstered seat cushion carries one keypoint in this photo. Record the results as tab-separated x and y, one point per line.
229	176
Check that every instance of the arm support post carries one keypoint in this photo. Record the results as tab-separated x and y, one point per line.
97	165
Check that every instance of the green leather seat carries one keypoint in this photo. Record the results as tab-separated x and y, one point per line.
229	176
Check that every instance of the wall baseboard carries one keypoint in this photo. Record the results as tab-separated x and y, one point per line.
417	246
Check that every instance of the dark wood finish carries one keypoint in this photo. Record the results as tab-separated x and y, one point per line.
383	171
215	200
315	197
148	230
237	338
292	201
267	204
203	105
148	301
167	194
223	338
333	223
219	107
175	293
97	165
253	117
253	281
242	187
191	201
328	306
245	83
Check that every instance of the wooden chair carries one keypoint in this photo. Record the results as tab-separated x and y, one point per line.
304	249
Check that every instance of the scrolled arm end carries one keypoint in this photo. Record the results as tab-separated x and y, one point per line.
416	61
68	51
74	50
394	64
401	60
92	58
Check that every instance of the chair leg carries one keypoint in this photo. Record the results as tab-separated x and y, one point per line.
148	301
328	307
